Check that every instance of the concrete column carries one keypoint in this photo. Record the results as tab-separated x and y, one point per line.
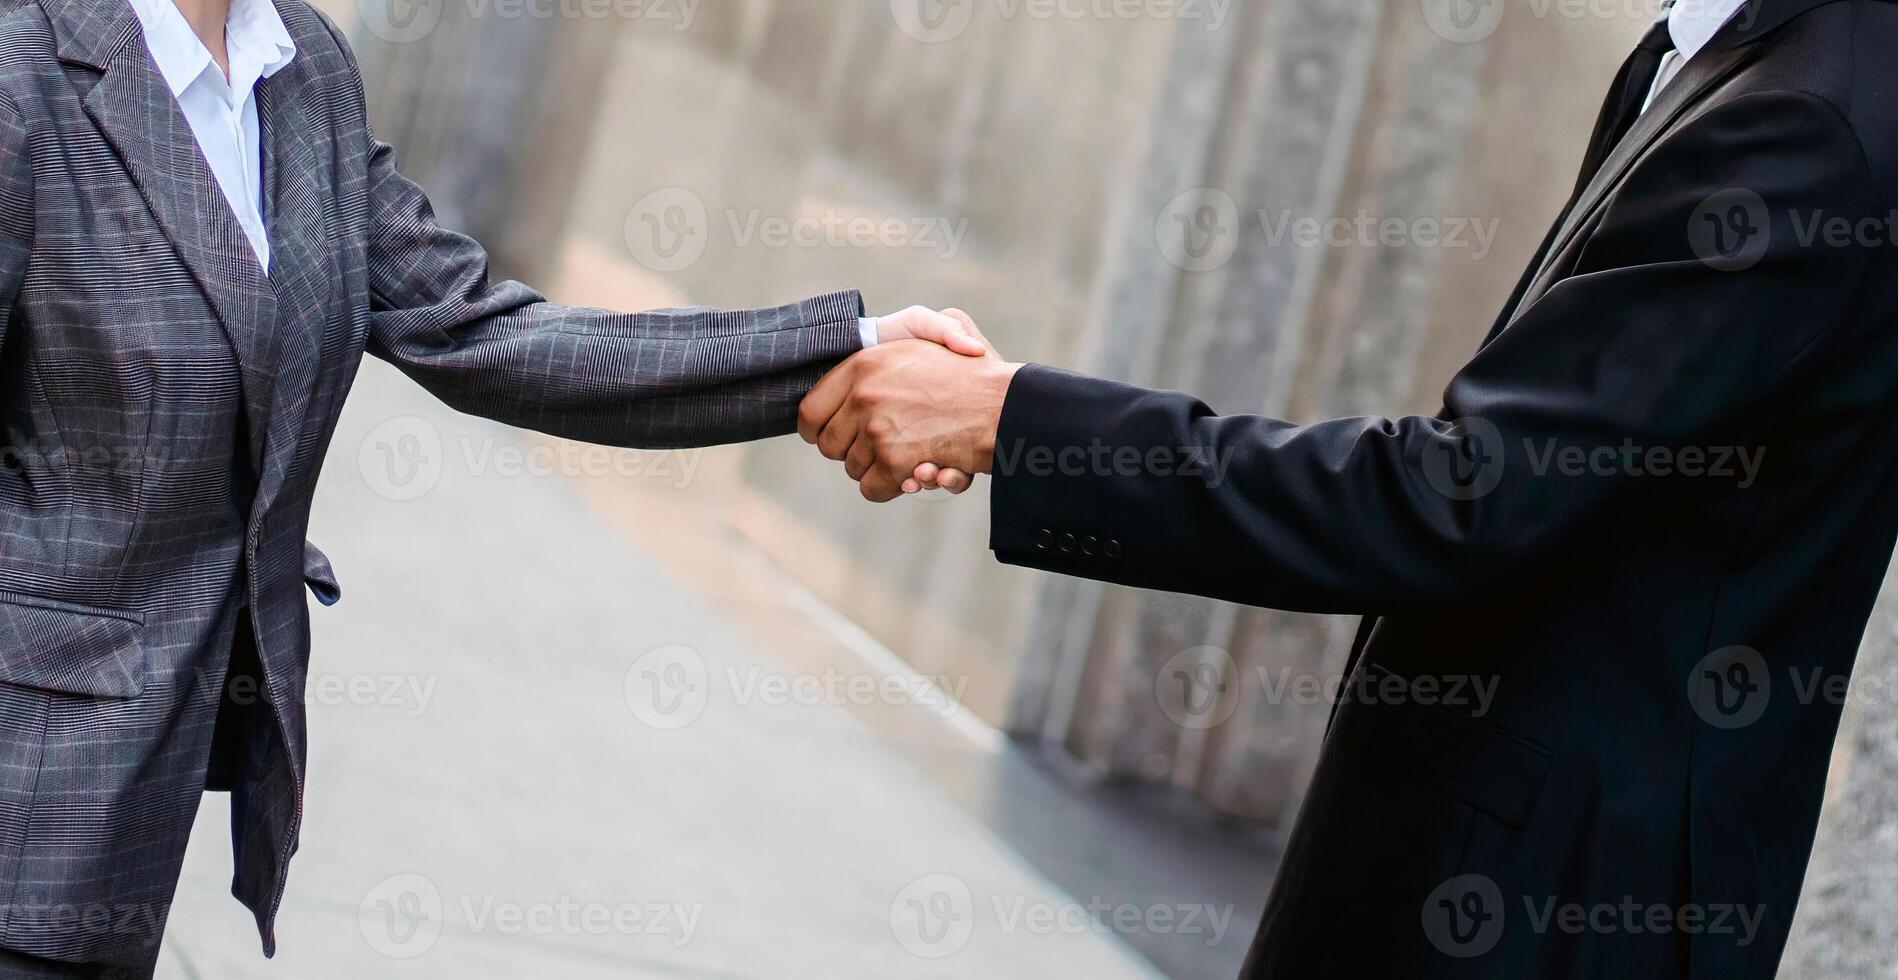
1299	112
1845	928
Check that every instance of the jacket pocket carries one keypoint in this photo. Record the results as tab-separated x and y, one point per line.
1491	770
57	646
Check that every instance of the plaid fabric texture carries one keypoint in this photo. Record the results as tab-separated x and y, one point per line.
165	406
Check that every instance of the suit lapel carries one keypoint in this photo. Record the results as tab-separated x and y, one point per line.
1724	55
1699	77
135	110
299	234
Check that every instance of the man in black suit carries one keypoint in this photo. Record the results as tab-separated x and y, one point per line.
1655	513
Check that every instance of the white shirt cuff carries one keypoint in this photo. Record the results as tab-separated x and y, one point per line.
867	330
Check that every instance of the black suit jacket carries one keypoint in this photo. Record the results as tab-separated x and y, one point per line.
1580	528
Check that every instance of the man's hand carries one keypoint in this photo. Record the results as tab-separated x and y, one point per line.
957	331
890	410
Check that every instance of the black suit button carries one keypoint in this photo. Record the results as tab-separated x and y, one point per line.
1067	543
1090	546
1044	541
1112	550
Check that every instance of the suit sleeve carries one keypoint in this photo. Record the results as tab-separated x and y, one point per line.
657	380
661	379
1654	354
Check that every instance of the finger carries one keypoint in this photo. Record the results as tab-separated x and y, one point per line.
968	325
841	433
824	399
910	486
955	481
859	459
926	474
880	489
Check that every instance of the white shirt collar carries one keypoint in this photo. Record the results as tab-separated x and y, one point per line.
1693	23
256	40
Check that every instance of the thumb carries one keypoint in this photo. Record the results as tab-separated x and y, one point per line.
967	323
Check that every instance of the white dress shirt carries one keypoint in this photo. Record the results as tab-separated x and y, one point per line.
1691	23
223	113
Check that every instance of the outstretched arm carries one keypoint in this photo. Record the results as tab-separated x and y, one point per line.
1661	350
661	379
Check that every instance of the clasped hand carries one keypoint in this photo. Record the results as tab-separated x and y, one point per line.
918	411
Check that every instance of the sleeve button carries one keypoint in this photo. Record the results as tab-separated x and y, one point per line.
1112	549
1044	540
1090	546
1067	543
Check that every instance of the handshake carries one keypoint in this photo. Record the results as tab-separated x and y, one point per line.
917	411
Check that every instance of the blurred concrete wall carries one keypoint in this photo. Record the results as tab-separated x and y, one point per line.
1121	192
1118	188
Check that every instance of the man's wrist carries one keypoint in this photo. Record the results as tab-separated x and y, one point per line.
995	383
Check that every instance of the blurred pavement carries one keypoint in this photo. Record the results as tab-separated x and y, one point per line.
538	750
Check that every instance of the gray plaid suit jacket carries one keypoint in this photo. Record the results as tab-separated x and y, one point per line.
165	406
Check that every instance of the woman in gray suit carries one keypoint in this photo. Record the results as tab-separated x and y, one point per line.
199	238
